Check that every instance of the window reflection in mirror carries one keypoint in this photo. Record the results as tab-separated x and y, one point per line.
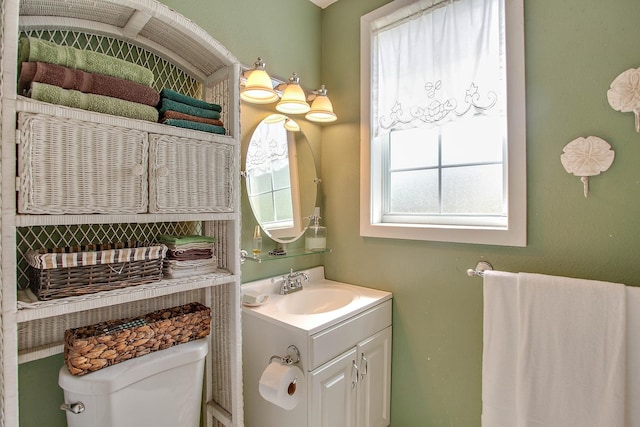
280	167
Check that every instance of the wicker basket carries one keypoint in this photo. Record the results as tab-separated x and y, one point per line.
90	348
75	271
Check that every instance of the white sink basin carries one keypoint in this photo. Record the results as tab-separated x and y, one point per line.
318	305
316	299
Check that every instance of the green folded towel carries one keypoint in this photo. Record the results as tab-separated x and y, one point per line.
175	96
167	104
31	49
183	240
98	103
188	124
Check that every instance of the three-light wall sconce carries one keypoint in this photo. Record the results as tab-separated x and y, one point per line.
259	89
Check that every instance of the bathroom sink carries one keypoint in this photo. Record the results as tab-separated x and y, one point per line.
316	299
320	304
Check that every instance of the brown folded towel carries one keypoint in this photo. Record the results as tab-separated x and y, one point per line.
170	114
98	84
191	254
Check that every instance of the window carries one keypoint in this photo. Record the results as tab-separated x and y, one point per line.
443	135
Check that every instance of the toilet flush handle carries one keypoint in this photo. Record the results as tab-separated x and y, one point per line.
76	408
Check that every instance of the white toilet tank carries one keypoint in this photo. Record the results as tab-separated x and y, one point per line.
161	389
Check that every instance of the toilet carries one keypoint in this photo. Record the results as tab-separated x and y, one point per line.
161	389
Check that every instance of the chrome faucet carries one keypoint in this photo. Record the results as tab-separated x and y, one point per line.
292	282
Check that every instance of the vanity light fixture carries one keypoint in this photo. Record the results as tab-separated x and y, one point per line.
321	108
293	99
258	88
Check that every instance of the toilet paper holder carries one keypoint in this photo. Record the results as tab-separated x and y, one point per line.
291	358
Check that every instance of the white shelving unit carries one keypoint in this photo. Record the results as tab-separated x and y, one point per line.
188	60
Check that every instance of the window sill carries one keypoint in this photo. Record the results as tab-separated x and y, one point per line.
516	236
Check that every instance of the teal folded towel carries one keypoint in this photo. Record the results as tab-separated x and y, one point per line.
31	49
90	102
188	124
183	240
167	104
175	96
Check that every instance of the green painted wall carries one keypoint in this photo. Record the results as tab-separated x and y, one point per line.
573	51
285	33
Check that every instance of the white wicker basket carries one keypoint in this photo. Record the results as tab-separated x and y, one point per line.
189	176
69	166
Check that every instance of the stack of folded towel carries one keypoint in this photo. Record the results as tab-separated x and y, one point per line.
189	256
184	111
87	80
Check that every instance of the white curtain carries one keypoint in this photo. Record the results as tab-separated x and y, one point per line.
439	63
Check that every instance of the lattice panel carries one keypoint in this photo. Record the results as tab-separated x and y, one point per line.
53	236
166	74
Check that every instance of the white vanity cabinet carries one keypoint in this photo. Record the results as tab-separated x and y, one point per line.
354	389
345	355
74	177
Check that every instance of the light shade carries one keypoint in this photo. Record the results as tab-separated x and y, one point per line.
258	89
321	108
291	125
293	99
274	118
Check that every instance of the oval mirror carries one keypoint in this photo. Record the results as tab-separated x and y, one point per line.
281	178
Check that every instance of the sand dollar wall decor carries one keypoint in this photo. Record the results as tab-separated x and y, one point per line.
585	157
624	94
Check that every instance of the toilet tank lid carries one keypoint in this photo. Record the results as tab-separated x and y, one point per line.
113	378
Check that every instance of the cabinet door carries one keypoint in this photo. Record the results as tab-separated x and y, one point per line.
188	175
72	166
374	383
332	392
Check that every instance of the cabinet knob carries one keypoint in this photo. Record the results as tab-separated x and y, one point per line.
162	171
354	367
364	366
137	170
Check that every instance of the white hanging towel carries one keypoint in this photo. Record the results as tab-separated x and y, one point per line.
499	355
633	356
568	336
571	352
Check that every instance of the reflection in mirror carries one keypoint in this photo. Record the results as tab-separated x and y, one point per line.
281	178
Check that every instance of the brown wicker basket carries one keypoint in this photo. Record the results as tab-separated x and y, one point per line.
90	348
74	271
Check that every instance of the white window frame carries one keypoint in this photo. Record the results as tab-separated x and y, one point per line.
515	232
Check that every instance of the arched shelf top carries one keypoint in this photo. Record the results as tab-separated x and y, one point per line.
146	23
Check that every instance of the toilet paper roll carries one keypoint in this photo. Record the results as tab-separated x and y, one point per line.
282	385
